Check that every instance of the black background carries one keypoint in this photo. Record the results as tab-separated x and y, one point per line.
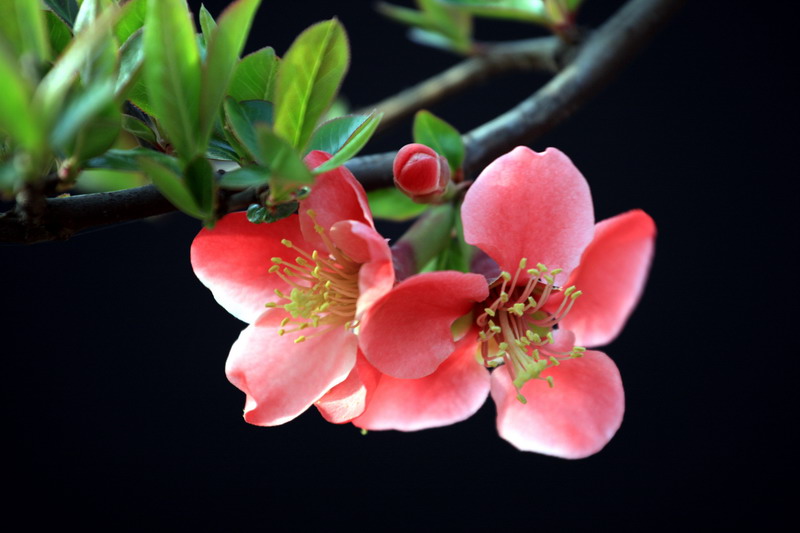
117	411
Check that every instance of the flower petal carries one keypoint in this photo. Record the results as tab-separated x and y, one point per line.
365	245
282	378
406	334
611	277
574	419
454	392
348	399
530	205
234	258
335	196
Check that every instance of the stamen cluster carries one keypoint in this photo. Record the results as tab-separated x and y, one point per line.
517	330
324	289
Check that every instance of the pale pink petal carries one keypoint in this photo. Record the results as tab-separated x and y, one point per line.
348	399
335	196
233	260
407	334
611	276
454	392
365	245
282	378
533	206
574	419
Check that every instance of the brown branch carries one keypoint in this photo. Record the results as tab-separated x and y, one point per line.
597	61
530	54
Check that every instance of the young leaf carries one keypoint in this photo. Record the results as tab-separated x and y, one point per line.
78	112
254	76
131	58
131	19
525	10
17	116
105	180
32	28
58	32
242	127
352	144
330	136
242	178
308	79
139	129
172	187
67	10
224	45
130	160
441	136
285	166
172	73
207	23
199	178
392	204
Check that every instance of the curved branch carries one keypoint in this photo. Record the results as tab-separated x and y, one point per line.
530	54
597	61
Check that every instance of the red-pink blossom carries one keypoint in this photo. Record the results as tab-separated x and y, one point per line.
302	284
532	215
421	173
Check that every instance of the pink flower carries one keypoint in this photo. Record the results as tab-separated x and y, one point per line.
421	173
530	213
302	284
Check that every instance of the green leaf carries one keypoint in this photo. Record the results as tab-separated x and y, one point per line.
58	32
224	45
32	28
78	112
330	136
131	19
130	62
105	180
391	204
139	129
525	10
286	168
242	178
254	76
130	160
441	136
355	142
172	73
242	126
207	23
17	116
199	176
86	48
308	79
67	10
172	187
220	150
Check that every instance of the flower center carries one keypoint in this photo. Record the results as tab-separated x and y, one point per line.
323	288
515	328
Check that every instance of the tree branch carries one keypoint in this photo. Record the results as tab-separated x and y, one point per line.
596	62
530	54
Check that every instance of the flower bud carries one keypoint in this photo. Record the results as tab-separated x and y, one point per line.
421	173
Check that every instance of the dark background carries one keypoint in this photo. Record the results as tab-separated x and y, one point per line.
117	411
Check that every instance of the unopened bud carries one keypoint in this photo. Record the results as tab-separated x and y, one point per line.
421	173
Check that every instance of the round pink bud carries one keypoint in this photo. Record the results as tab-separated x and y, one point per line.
421	173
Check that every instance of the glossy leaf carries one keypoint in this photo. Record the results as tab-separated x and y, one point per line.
285	165
131	19
199	178
207	23
242	127
392	204
525	10
58	32
441	136
254	77
131	58
355	142
333	134
172	73
139	129
308	80
78	112
220	150
225	42
172	187
130	160
17	116
67	10
242	178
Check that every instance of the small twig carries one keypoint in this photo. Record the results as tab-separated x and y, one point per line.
530	54
596	62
